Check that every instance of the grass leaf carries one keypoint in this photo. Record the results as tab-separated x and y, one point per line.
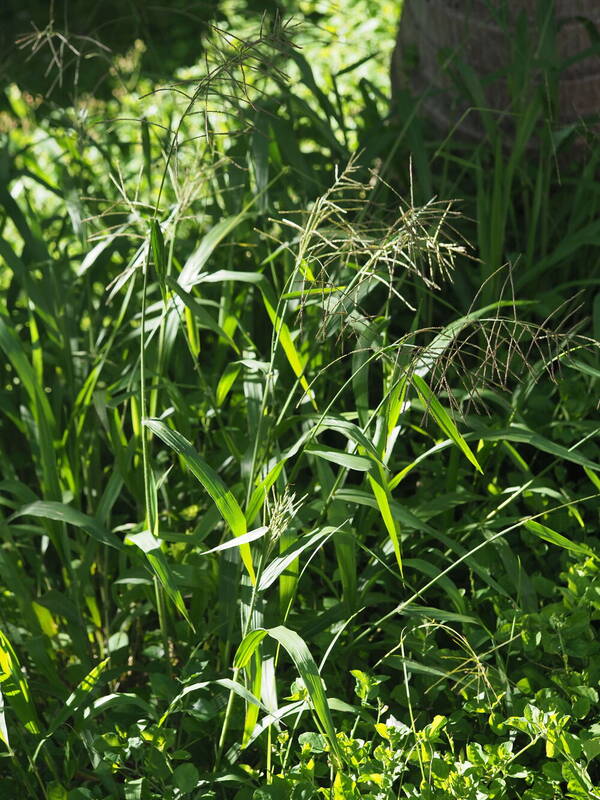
223	498
151	547
343	459
300	654
60	512
441	416
549	535
15	686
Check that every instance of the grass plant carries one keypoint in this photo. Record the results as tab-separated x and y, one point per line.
300	471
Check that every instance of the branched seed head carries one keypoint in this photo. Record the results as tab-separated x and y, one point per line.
283	510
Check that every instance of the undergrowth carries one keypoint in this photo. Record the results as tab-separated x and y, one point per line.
298	442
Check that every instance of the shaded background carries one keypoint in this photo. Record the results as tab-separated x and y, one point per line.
63	49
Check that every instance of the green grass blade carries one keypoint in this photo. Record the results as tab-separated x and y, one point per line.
16	687
151	547
226	683
44	416
441	416
202	317
259	494
118	700
283	335
281	562
522	434
226	381
298	651
157	244
75	701
60	512
247	647
254	681
348	429
3	727
281	329
383	497
222	497
192	268
549	535
340	457
251	536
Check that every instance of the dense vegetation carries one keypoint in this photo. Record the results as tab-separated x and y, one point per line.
299	443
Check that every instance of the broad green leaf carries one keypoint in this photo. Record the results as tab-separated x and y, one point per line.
186	778
226	683
549	535
283	335
222	497
151	547
347	460
64	513
300	654
192	268
260	492
441	416
203	318
226	381
251	536
76	700
383	498
15	687
281	562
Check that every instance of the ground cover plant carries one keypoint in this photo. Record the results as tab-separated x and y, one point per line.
299	455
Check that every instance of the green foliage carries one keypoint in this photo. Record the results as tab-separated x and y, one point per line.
288	508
